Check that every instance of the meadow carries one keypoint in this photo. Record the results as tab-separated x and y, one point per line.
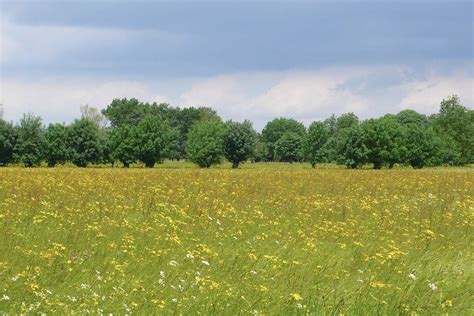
271	240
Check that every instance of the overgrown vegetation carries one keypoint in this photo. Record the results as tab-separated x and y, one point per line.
278	240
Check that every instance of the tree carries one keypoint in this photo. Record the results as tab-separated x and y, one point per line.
289	148
260	152
106	146
456	121
239	142
56	150
205	146
29	147
420	143
331	124
122	140
313	146
125	112
411	116
7	142
275	129
93	114
350	147
384	141
346	120
151	137
185	119
83	142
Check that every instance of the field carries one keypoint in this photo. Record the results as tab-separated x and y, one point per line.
262	241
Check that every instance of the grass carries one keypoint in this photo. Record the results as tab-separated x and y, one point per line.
278	239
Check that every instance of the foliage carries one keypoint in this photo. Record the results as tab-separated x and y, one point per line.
83	142
30	143
56	150
313	146
94	115
457	122
7	142
239	142
351	147
125	112
411	116
346	120
275	129
151	139
289	148
420	145
384	141
205	146
154	132
122	142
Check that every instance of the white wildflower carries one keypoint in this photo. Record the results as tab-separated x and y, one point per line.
205	262
412	276
433	286
173	263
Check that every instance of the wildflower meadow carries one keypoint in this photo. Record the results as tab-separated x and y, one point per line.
220	241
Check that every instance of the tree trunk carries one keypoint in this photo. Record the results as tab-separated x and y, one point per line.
313	165
126	165
235	165
150	164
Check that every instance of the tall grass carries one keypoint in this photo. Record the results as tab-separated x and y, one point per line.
273	240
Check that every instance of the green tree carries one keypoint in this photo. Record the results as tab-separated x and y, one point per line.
106	146
205	145
186	118
411	116
331	124
56	150
83	142
125	112
151	138
29	147
239	142
260	152
384	140
7	142
313	146
421	146
456	121
289	147
350	147
346	120
275	129
122	140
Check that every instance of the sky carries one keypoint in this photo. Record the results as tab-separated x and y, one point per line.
253	60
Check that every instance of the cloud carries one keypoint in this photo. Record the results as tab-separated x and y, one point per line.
57	49
311	95
259	96
425	95
57	101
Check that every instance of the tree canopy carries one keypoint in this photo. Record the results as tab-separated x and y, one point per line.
130	131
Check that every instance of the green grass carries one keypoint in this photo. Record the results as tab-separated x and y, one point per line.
277	239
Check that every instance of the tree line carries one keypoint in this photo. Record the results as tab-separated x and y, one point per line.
129	131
